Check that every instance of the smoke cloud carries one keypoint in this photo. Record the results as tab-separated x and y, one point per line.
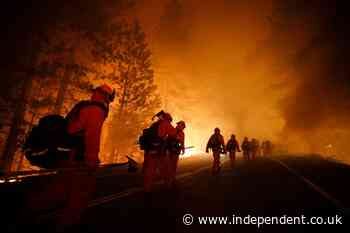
266	69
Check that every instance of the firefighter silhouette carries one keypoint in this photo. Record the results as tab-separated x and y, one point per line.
217	145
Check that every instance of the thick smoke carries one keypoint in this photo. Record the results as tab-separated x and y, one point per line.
316	111
266	69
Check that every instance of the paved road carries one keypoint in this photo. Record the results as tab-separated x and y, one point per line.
275	188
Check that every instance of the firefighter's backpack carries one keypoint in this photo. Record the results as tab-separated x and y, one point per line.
49	143
149	139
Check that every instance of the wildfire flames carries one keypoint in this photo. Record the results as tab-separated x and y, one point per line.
265	69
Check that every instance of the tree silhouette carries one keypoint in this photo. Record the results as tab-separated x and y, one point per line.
124	49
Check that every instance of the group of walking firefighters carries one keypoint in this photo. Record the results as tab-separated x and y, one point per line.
162	153
251	149
162	144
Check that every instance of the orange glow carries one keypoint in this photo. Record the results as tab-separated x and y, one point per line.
237	66
191	152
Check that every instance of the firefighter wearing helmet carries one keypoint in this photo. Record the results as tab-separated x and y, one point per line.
232	147
176	147
90	120
76	187
246	147
156	154
217	144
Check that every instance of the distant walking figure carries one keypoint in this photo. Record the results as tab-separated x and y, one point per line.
232	147
217	144
246	148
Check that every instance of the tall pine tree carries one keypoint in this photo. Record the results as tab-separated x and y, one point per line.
123	48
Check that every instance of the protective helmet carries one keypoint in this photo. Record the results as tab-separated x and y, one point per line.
168	117
159	115
181	123
106	91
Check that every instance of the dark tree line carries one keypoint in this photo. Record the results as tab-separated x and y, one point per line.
70	48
